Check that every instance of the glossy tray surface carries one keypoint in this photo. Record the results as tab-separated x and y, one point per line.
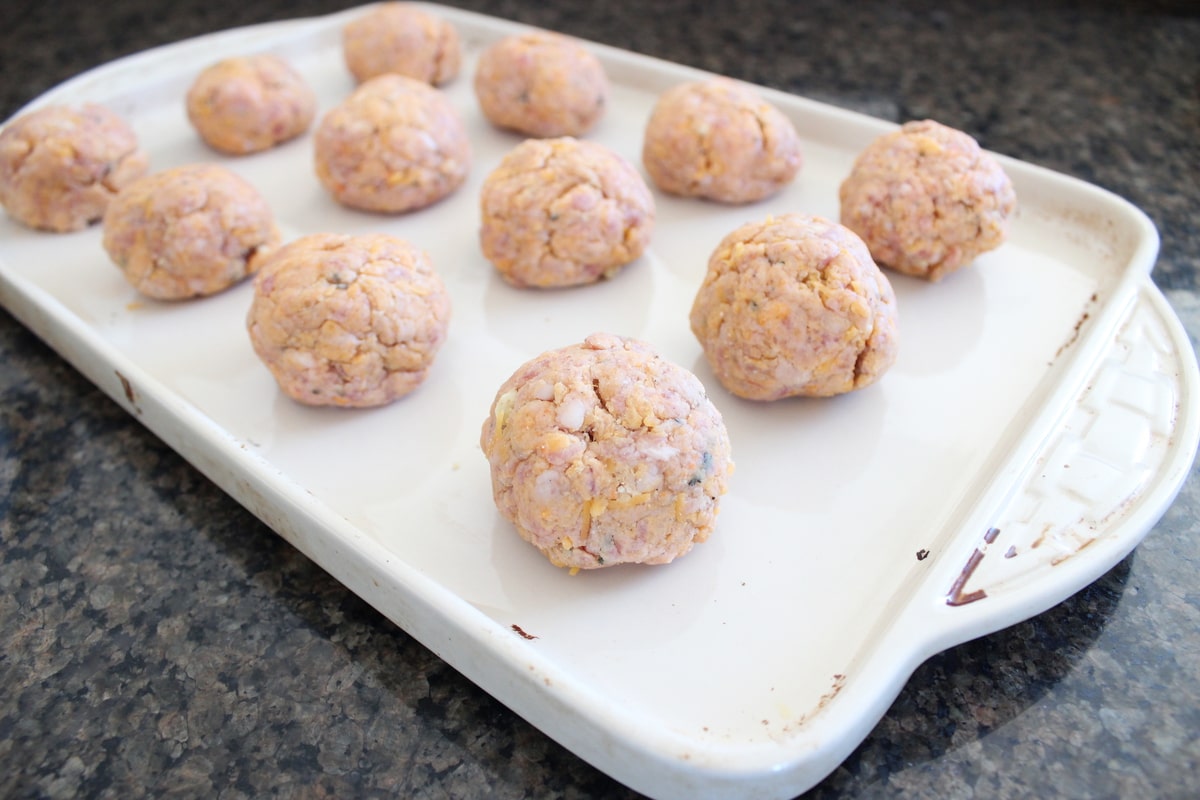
1040	418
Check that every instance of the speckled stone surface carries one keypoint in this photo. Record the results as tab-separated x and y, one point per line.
157	640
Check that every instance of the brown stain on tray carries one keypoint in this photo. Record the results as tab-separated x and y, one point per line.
956	597
1074	337
836	685
130	394
521	632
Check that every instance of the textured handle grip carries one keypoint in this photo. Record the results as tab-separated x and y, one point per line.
1128	443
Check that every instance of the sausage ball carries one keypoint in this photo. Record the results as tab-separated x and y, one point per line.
245	105
403	39
188	232
927	200
563	212
394	145
794	305
719	140
60	167
541	84
605	453
351	321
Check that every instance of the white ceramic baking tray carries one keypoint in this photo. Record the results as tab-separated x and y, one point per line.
1039	420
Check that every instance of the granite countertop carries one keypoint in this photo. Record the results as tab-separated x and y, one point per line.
157	638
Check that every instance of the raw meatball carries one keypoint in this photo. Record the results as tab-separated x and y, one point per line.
794	305
541	84
189	231
719	140
60	167
394	145
245	105
927	200
563	212
402	39
605	453
348	320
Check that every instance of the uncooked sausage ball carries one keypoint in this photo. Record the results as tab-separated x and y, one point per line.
794	305
719	140
541	84
249	104
605	453
927	200
60	167
563	212
403	39
188	232
351	321
394	145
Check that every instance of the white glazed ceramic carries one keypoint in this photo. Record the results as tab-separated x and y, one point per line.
1040	419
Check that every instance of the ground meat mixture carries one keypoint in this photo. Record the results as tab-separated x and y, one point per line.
351	321
60	167
605	453
563	212
541	84
403	39
189	231
394	145
794	305
249	104
719	140
927	200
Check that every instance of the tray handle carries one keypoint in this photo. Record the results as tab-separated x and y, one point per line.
1102	479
